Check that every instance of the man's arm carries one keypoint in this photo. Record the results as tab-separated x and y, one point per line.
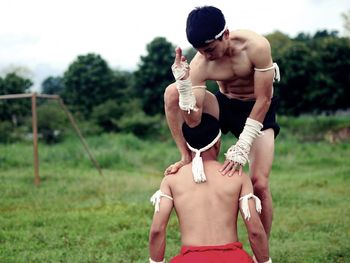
259	52
157	235
256	233
260	55
191	88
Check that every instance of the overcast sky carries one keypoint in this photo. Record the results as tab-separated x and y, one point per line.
45	36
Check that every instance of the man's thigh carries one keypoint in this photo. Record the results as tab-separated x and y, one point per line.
211	105
261	155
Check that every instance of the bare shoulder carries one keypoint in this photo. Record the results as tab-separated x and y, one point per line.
198	68
170	179
257	47
251	38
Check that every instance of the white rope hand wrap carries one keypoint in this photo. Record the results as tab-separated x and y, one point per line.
155	199
197	162
187	100
239	152
277	75
152	261
245	205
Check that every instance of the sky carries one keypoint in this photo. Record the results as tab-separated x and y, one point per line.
44	37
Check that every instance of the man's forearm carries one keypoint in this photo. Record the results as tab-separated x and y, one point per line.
157	246
259	244
260	109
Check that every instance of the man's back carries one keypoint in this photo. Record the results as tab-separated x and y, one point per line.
206	203
207	212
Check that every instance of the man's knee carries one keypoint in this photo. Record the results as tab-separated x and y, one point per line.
261	186
171	96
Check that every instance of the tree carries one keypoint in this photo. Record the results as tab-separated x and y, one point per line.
279	42
296	68
88	82
52	85
14	110
154	75
329	89
314	74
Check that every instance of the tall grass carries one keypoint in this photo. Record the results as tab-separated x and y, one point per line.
76	215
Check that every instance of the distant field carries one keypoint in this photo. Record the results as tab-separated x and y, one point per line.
76	215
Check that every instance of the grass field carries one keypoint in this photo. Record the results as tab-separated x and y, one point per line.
76	215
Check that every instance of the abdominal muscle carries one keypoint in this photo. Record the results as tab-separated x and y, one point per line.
238	89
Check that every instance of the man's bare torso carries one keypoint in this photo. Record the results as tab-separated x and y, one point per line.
207	212
234	72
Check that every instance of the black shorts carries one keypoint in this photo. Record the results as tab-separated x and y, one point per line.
234	113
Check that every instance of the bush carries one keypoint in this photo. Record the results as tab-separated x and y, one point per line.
52	122
311	127
6	130
141	125
106	115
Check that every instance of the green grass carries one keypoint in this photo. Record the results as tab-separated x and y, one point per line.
76	215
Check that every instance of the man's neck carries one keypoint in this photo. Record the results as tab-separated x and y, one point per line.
209	155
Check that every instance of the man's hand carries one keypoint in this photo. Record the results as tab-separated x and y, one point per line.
231	168
237	155
180	68
173	168
181	72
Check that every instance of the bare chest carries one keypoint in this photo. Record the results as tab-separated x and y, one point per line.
235	77
231	69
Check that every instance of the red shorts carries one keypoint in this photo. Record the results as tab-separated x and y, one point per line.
232	252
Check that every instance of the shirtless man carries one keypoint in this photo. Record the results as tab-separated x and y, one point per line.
207	204
240	61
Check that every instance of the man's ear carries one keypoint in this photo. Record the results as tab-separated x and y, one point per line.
226	33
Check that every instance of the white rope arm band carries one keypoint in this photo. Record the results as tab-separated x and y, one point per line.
197	162
245	205
152	261
277	75
255	261
155	199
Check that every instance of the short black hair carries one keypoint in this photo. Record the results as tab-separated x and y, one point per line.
202	134
204	23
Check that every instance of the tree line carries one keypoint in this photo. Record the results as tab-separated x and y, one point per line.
315	78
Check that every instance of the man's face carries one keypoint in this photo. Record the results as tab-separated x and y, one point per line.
212	51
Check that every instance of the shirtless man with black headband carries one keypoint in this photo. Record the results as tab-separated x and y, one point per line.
241	63
207	206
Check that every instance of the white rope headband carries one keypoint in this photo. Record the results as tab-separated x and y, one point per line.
216	36
197	162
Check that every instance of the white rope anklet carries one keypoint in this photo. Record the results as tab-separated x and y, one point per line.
197	162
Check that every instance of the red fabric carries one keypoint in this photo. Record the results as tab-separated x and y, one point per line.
228	253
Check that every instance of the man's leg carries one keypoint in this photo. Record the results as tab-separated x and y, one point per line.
175	119
261	158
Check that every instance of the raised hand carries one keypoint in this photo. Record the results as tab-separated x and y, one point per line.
180	67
